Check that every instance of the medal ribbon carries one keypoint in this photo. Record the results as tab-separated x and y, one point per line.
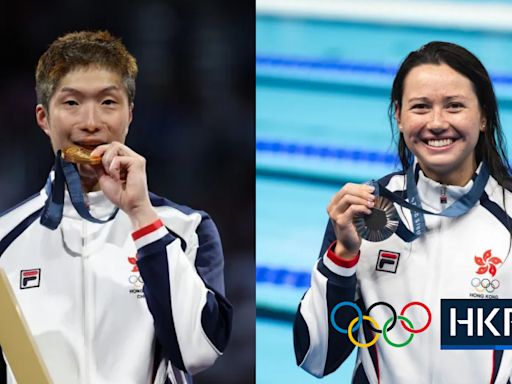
66	175
457	208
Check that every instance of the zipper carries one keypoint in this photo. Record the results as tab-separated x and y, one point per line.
85	307
443	197
438	277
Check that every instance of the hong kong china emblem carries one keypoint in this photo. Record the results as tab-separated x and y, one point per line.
485	283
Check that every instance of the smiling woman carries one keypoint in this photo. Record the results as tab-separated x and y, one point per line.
451	199
442	91
441	120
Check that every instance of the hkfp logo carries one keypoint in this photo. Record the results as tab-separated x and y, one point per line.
476	324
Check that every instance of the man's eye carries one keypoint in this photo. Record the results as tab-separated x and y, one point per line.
70	102
109	102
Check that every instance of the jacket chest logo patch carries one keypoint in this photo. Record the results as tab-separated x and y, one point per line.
135	279
487	263
387	261
484	285
30	278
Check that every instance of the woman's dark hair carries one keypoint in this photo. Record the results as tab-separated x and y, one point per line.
491	145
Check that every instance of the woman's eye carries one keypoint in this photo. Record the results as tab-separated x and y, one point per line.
109	102
455	105
420	106
70	102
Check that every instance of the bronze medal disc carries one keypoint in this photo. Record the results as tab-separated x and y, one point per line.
380	224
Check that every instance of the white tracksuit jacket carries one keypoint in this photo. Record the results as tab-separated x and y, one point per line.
106	307
441	264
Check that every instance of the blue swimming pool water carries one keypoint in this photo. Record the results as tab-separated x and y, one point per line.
276	360
385	45
327	84
289	231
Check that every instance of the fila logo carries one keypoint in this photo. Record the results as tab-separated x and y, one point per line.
387	261
30	278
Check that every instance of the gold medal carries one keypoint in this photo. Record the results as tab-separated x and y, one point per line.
80	155
380	224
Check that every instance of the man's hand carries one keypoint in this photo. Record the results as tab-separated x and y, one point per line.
122	178
349	201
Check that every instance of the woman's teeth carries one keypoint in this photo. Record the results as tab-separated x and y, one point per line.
440	143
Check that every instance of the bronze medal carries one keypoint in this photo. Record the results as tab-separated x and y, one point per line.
380	224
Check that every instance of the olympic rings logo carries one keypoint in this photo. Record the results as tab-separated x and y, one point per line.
388	324
485	284
136	280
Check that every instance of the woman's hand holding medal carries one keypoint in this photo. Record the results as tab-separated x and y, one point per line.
351	201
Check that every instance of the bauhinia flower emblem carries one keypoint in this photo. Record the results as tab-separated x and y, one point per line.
487	263
133	261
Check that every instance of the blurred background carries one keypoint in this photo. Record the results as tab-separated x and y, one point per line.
324	70
193	121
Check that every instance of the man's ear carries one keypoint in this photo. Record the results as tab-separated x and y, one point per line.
42	119
130	112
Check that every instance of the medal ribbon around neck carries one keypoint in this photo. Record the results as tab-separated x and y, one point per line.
457	208
66	175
